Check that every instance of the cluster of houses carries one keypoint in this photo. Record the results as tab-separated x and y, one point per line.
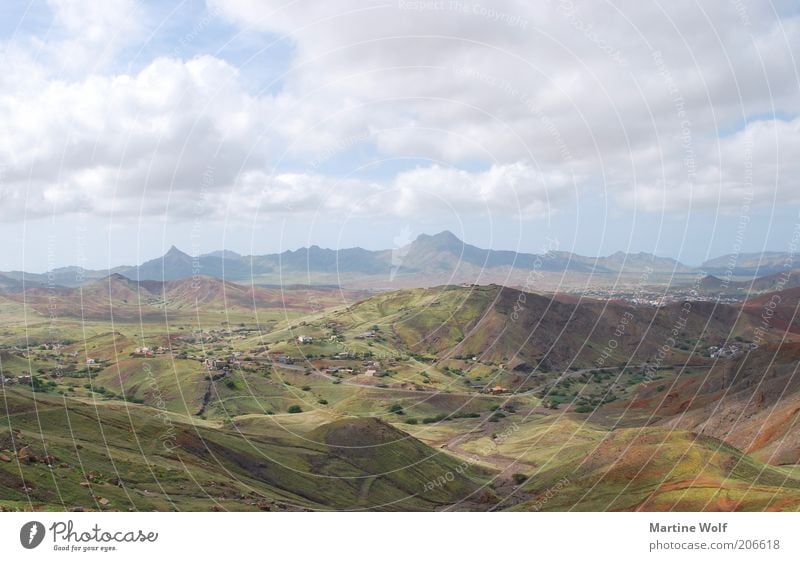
308	339
11	380
212	363
149	351
730	351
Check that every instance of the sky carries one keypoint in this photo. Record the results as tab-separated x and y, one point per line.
127	127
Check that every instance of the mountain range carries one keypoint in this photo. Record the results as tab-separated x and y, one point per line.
428	260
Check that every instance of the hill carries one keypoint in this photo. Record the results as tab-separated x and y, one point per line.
524	330
328	399
143	461
653	469
752	264
783	280
751	402
9	284
119	297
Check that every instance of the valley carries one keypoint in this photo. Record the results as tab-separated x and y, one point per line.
204	394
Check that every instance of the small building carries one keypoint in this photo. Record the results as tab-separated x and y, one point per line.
215	363
497	389
305	339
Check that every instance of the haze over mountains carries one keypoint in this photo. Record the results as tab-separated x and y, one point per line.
430	259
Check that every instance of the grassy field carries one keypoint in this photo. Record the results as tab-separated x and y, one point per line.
426	399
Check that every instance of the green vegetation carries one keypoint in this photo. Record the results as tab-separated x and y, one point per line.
226	409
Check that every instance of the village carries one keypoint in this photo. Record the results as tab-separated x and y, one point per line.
221	353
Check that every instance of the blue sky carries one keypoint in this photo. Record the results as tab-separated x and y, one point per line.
260	126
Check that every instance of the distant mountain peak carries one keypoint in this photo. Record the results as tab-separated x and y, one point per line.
444	240
447	235
711	281
224	254
174	251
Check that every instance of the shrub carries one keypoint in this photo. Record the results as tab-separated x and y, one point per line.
464	415
396	408
519	478
322	401
295	409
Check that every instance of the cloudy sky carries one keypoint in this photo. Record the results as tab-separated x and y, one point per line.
260	125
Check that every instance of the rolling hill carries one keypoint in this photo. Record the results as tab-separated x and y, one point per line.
523	329
123	457
119	297
350	400
752	264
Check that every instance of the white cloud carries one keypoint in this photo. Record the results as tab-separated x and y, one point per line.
107	141
633	97
93	32
550	99
757	166
513	189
